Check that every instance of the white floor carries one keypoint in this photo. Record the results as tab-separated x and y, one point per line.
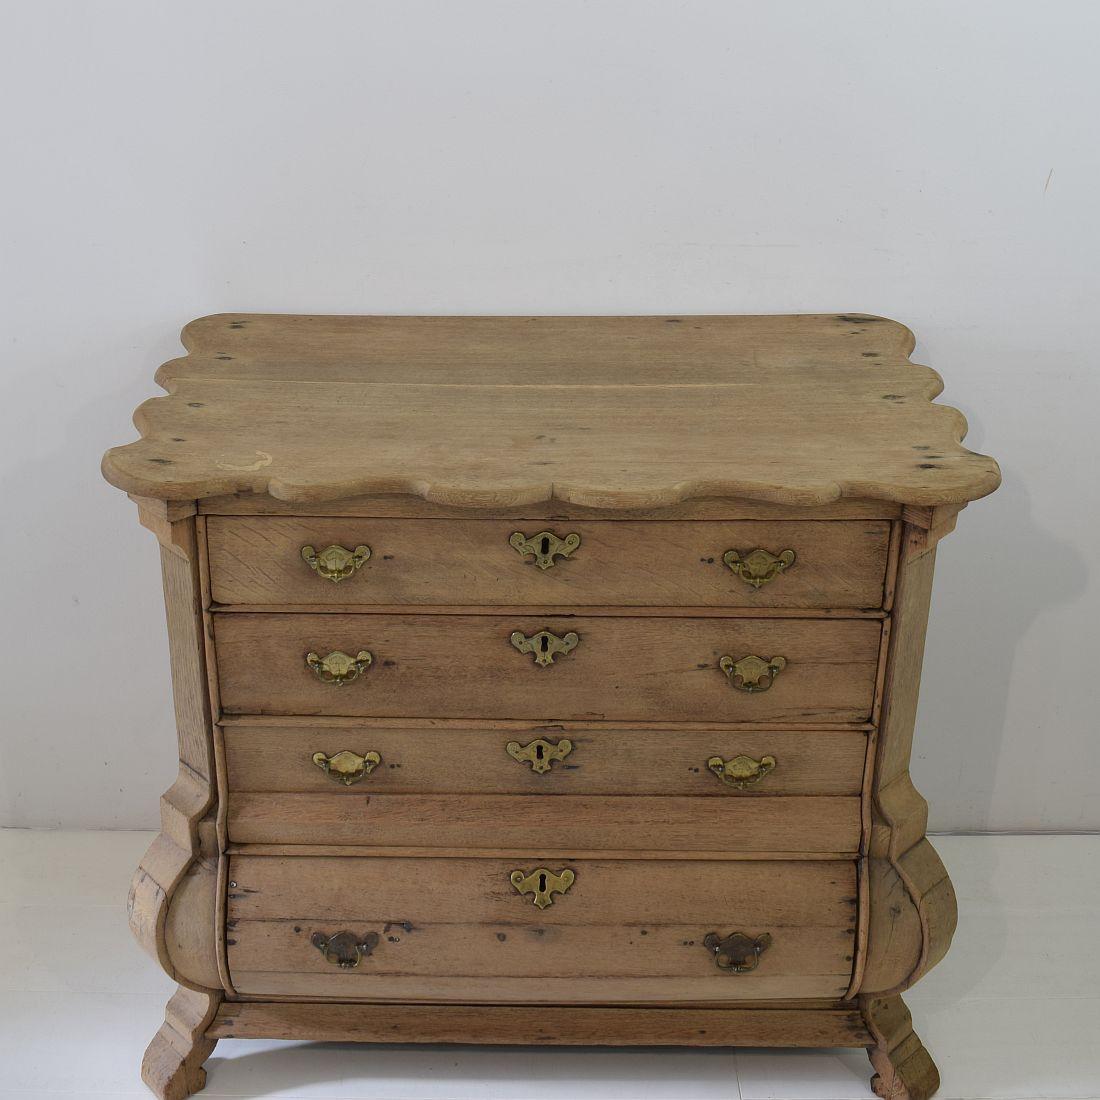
1014	1011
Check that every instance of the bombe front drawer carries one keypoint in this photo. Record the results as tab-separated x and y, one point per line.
539	929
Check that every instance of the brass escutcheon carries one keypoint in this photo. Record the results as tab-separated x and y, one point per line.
347	767
345	949
752	673
758	567
544	646
742	771
334	563
542	883
544	546
338	668
737	953
539	754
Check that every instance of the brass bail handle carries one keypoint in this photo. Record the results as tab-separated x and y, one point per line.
758	567
544	546
752	673
338	668
345	949
335	562
347	767
737	953
741	771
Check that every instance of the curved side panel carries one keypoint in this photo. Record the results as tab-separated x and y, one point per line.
911	903
172	896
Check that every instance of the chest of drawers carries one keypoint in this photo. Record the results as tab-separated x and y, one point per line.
546	680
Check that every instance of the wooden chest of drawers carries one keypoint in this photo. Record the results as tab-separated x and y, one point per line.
546	680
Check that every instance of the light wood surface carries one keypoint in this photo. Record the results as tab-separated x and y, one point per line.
465	667
171	899
903	1068
258	561
911	908
172	1066
623	931
545	1025
662	442
602	412
472	761
403	506
656	823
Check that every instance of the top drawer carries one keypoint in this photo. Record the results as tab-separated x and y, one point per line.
746	563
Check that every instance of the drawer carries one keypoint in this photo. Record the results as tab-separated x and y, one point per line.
458	929
796	824
619	668
258	560
542	760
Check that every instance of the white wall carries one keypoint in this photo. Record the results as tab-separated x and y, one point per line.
933	162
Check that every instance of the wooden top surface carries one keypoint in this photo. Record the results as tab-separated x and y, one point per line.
607	412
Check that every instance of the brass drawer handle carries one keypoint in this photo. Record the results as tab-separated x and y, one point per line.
344	949
742	771
542	883
539	754
544	546
752	673
334	563
347	767
758	567
338	668
737	953
544	646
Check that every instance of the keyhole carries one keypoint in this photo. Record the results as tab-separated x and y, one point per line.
544	643
538	752
545	544
542	883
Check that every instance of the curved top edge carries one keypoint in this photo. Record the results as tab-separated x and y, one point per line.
969	476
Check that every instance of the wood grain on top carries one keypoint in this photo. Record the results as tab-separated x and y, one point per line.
605	412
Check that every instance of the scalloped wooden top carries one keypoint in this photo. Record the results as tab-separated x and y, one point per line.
607	412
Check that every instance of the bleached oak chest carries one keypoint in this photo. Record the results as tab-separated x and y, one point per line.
546	680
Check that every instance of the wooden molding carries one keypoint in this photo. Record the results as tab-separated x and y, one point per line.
547	1025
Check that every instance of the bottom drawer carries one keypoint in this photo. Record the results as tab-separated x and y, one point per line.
469	930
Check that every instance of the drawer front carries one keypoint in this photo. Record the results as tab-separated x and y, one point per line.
458	929
619	668
542	760
839	564
795	824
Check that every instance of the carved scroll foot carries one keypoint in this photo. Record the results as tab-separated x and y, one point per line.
904	1070
172	1066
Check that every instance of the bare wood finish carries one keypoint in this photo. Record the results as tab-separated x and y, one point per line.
790	824
903	1068
172	1066
624	930
653	811
465	666
546	1025
634	412
402	506
606	761
258	561
912	910
171	901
